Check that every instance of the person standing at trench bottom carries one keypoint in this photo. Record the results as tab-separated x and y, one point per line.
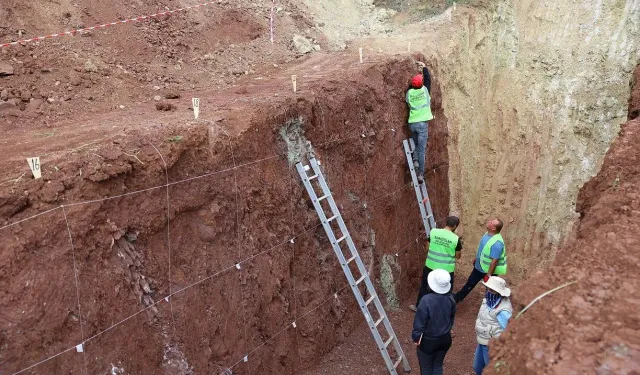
491	258
444	248
433	322
418	99
494	314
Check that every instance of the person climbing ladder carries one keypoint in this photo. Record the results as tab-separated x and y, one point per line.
418	99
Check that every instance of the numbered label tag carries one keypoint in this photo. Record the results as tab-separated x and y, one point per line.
294	82
360	50
196	107
34	164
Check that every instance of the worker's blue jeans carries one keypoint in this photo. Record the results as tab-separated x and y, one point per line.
481	358
420	135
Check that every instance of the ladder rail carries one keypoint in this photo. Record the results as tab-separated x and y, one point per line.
344	263
416	186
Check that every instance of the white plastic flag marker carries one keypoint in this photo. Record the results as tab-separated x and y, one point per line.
292	241
238	266
80	348
335	295
196	107
34	164
360	55
294	324
294	82
246	358
166	299
454	5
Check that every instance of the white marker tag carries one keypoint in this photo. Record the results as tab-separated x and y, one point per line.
397	255
80	348
294	82
454	5
364	205
335	295
196	107
166	299
34	165
364	136
360	50
238	266
246	358
294	324
292	241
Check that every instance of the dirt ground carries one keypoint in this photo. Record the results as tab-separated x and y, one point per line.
145	213
358	354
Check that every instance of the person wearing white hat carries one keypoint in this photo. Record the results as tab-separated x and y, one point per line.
433	322
493	317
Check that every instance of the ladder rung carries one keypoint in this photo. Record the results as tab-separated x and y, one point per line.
332	218
351	259
377	323
360	279
313	177
341	239
323	198
395	365
389	340
370	300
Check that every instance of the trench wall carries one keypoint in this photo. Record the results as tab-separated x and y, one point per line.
232	197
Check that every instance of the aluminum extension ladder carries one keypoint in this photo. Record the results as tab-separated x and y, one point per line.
373	321
421	189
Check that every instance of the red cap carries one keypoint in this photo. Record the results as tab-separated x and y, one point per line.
417	81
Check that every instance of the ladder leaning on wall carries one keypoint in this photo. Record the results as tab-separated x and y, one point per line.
421	189
352	266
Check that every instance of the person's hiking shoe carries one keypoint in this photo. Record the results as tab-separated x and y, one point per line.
416	165
421	179
413	308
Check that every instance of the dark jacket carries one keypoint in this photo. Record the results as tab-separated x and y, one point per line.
434	316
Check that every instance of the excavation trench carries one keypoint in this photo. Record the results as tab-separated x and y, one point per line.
232	239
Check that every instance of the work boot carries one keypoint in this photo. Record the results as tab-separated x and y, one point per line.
413	308
421	179
416	165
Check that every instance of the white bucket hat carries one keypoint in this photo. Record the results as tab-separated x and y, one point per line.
439	281
498	285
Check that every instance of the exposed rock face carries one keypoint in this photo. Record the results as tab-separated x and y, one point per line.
534	94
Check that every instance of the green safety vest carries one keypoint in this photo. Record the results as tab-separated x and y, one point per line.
419	102
485	258
442	250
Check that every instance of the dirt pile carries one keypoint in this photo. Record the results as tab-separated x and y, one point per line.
591	326
233	198
123	67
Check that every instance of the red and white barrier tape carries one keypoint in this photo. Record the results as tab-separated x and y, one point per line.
76	31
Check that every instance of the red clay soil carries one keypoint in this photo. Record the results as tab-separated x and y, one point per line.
590	327
129	64
242	202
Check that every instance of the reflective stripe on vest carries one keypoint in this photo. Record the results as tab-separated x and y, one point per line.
442	250
485	260
419	102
